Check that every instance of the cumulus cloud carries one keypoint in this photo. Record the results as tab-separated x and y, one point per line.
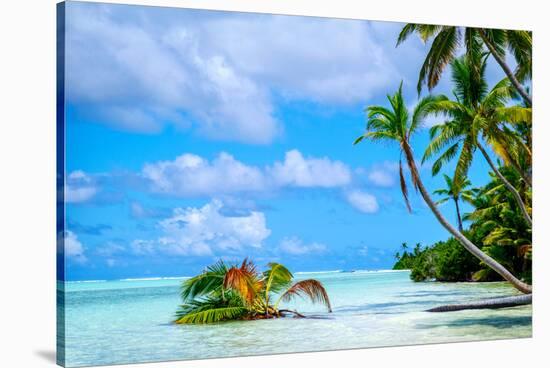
113	64
206	231
362	201
79	187
327	60
298	171
74	250
295	246
213	72
383	174
191	175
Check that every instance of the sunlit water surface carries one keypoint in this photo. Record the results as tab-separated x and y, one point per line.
129	321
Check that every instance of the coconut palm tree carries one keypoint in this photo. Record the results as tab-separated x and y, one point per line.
447	41
223	293
476	112
395	124
456	191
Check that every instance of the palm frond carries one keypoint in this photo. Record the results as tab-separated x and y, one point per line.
464	159
447	156
244	280
213	315
422	110
407	30
443	49
276	278
520	44
514	114
209	281
311	289
442	136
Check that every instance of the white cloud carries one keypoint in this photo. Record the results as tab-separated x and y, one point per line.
309	172
191	175
381	178
111	65
362	201
74	250
206	231
295	246
215	72
79	187
328	60
384	174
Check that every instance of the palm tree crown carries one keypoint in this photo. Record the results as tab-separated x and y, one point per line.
476	113
397	125
224	293
456	191
447	41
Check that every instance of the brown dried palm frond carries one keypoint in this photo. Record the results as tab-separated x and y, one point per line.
404	190
244	280
311	289
524	249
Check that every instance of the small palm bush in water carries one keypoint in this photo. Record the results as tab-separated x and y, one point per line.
223	293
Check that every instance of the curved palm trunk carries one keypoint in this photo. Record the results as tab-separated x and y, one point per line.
459	219
508	185
471	247
509	73
495	303
296	314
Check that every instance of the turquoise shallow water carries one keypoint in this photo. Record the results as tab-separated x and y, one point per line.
117	322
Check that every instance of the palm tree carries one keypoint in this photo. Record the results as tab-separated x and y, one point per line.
395	124
447	41
499	225
223	293
456	191
475	113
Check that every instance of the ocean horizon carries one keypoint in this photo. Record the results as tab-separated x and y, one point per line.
155	278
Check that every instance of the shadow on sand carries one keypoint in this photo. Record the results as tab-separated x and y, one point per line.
496	322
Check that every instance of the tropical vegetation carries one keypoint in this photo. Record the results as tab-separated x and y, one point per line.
497	244
241	292
496	224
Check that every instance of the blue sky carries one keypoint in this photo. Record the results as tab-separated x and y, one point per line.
198	135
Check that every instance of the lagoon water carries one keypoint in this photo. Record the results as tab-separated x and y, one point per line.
128	321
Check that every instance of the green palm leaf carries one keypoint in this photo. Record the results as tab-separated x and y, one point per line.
213	315
209	281
276	278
